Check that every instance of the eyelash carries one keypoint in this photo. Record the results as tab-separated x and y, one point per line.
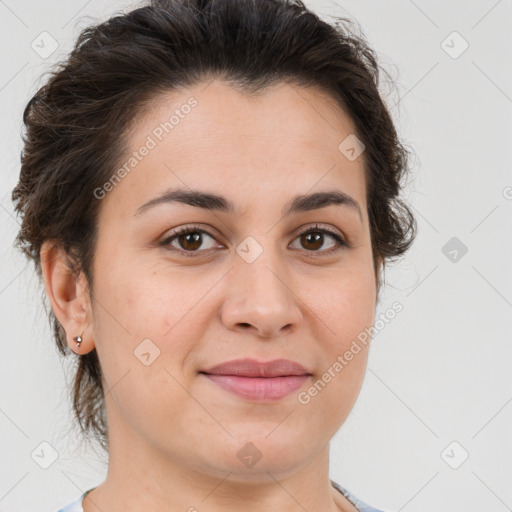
196	229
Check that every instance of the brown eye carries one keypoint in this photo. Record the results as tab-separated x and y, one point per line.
314	239
189	240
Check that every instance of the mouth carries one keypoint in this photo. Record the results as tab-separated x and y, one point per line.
258	389
258	381
254	368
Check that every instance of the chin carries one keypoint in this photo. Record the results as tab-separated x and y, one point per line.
262	453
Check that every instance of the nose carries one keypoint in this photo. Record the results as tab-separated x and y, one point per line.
261	298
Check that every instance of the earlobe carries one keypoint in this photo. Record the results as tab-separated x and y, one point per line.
68	297
78	340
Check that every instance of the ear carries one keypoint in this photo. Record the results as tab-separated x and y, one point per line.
68	296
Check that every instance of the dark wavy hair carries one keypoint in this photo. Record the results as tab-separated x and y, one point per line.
75	125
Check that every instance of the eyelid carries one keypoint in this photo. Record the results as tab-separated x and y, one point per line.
320	227
340	239
183	230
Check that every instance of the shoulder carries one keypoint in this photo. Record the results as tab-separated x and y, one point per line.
359	504
76	505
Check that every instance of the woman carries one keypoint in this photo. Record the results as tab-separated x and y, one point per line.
210	191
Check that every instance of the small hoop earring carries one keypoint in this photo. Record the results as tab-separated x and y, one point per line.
78	340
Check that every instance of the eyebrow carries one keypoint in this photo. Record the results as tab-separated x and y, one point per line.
210	201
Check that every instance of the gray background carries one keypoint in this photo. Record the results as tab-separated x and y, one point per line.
438	386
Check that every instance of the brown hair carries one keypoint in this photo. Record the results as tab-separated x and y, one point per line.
75	124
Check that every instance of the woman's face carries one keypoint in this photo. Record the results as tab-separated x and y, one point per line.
245	283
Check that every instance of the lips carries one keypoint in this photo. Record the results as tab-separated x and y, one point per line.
258	381
253	368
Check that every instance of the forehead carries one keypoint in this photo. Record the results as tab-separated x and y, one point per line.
284	141
283	110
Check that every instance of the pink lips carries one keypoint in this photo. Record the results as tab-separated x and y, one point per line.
259	381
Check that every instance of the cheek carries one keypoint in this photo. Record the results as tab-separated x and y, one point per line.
144	334
333	394
344	303
346	312
145	300
147	311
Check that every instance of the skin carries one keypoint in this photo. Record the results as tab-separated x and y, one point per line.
175	435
